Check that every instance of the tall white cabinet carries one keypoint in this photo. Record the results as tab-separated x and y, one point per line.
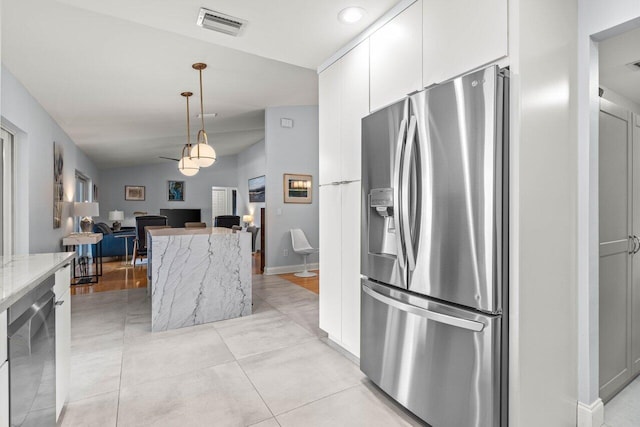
344	101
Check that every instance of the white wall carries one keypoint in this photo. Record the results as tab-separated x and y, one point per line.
543	300
290	151
35	133
252	163
598	20
154	178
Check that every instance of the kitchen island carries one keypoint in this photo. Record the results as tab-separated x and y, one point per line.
198	275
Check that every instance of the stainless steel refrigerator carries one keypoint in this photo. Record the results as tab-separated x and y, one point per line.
434	255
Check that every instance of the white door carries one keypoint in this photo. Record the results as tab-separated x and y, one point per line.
616	248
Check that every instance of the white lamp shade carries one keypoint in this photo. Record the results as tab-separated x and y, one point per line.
247	218
188	167
203	154
116	215
85	209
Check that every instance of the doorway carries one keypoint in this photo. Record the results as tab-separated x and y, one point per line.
6	192
619	214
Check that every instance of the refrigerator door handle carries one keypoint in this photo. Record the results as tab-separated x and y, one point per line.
470	325
406	170
396	192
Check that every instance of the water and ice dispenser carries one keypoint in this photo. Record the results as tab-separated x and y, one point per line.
382	231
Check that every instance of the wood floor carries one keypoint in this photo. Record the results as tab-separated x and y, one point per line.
117	276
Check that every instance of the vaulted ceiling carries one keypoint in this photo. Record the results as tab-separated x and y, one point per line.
111	72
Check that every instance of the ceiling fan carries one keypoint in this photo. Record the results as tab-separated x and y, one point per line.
168	158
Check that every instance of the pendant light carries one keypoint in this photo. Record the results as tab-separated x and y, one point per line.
202	153
186	165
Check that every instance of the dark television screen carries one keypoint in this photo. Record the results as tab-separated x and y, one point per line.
177	217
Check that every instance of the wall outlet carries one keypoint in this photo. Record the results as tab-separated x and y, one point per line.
285	252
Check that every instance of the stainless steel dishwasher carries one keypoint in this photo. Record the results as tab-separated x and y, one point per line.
32	370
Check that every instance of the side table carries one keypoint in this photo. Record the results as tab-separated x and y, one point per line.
71	242
126	245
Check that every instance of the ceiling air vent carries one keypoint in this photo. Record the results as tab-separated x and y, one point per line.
635	65
216	21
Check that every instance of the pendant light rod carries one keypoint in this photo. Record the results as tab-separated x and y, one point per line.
187	95
200	66
186	165
202	152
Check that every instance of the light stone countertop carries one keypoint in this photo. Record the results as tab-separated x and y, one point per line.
19	274
189	231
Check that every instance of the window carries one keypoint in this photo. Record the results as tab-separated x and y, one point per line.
6	193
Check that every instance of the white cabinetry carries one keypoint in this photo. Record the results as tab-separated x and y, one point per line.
330	299
344	101
396	57
63	336
4	394
4	372
461	35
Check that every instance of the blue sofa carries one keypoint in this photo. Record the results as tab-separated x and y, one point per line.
112	246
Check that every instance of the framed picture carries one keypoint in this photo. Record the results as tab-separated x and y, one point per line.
134	192
297	188
58	186
175	191
256	189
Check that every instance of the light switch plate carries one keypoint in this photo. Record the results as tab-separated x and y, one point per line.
286	123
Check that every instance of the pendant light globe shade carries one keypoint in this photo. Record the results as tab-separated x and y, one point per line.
203	154
187	166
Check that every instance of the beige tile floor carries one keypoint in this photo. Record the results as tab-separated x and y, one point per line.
273	368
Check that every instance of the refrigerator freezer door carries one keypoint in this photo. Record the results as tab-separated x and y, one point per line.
457	237
439	361
383	138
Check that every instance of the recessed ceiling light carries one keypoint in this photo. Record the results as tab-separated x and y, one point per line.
351	14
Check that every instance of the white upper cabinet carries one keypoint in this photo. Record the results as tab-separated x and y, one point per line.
396	58
355	106
343	102
462	35
329	97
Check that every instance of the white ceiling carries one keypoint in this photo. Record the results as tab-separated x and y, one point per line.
111	72
614	54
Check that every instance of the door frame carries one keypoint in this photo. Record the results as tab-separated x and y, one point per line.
593	28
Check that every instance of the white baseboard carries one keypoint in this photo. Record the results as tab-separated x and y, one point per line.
591	415
290	269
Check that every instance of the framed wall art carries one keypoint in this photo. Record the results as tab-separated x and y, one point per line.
257	187
58	187
297	188
134	192
175	191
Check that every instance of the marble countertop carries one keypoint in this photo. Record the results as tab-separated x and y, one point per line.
189	231
19	274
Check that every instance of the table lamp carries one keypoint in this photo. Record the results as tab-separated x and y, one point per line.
86	210
247	219
116	216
